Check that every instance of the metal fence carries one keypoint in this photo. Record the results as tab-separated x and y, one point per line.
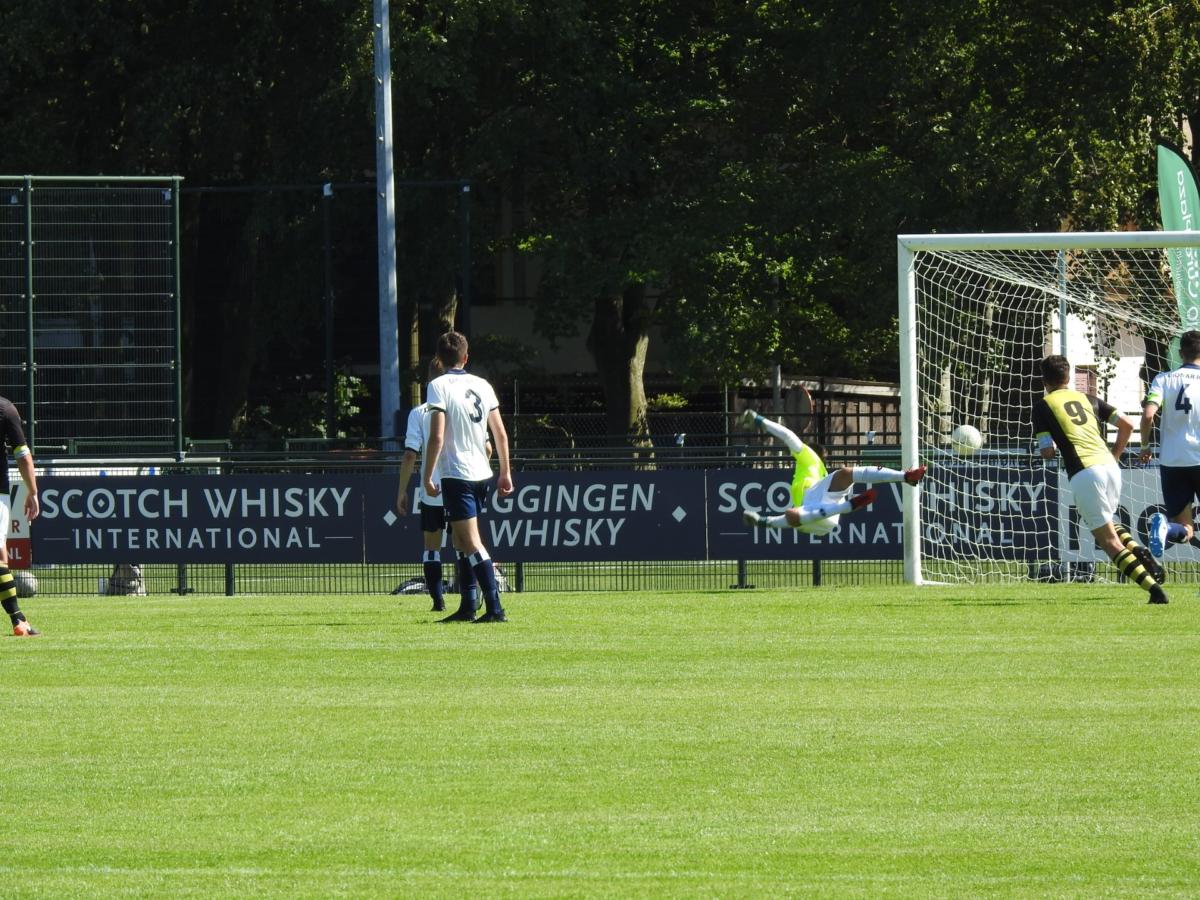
89	306
568	415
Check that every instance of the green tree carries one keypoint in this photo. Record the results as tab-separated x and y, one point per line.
242	93
610	121
871	119
734	173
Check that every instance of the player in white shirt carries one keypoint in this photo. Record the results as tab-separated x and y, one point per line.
433	516
1176	394
463	409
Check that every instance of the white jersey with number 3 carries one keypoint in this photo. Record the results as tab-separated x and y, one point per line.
1177	394
466	400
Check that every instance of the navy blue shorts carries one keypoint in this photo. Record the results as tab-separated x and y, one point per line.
464	499
433	518
1180	485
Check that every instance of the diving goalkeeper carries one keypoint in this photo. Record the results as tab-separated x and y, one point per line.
820	497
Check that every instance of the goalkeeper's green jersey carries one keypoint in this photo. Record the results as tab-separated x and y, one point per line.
809	470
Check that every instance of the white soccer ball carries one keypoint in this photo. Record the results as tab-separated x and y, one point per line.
966	439
26	582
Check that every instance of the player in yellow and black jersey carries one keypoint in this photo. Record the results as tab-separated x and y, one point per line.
1070	421
12	436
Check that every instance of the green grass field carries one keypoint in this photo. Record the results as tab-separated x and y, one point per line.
1001	741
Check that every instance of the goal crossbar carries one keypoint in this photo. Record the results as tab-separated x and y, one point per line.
1055	240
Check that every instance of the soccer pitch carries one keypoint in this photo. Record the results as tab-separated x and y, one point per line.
1011	740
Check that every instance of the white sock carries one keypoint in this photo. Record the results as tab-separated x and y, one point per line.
779	521
876	475
782	433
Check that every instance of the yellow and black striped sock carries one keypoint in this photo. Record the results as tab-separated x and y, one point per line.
8	596
1131	567
1151	564
1125	536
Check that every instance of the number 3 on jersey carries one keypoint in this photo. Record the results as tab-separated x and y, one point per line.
477	402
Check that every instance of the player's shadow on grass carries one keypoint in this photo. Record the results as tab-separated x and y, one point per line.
991	602
297	620
959	601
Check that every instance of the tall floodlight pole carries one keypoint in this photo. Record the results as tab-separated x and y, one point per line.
385	215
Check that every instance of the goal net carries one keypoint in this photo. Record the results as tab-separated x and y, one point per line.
977	314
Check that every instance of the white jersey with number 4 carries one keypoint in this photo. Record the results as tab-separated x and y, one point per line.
415	439
1177	394
466	400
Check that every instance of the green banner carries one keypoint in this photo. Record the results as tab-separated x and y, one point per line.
1179	202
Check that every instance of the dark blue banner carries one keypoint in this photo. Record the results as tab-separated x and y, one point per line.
591	516
992	510
199	518
871	533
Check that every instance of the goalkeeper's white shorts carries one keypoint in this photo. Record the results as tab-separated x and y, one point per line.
818	496
1097	491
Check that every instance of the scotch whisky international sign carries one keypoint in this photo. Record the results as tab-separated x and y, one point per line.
585	516
202	518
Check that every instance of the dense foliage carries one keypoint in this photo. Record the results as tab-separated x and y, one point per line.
733	173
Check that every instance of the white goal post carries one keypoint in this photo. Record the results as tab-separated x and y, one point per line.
977	312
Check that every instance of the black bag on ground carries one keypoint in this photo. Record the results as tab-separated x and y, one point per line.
126	581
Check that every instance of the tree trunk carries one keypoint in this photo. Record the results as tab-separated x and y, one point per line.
239	346
618	341
445	311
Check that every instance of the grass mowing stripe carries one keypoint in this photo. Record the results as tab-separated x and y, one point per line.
1006	740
